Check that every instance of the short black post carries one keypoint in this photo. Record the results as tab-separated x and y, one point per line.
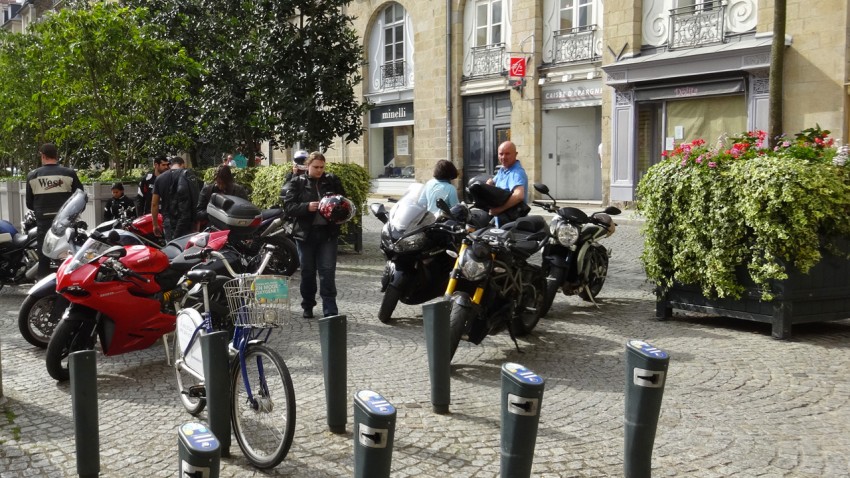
646	370
217	383
437	336
83	368
198	451
374	430
522	397
332	335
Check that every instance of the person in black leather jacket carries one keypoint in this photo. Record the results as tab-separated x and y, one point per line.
315	237
223	183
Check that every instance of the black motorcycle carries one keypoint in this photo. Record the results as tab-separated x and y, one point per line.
493	286
574	260
417	246
18	255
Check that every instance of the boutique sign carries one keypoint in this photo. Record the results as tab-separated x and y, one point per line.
397	113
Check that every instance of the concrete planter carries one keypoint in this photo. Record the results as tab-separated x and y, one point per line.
10	202
821	295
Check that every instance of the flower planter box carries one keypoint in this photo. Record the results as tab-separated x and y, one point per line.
821	295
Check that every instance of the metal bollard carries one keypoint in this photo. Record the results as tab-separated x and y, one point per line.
646	370
374	429
198	451
217	382
332	335
522	397
437	336
83	368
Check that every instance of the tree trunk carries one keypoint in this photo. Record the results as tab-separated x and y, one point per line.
777	62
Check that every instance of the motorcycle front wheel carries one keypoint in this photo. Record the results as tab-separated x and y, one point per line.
459	321
388	304
553	284
34	319
597	264
528	309
69	336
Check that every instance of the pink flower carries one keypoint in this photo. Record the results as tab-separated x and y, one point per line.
712	164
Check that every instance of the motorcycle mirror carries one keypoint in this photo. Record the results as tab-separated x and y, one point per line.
612	211
541	188
379	211
114	237
443	206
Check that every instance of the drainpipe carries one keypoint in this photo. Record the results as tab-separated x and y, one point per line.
449	80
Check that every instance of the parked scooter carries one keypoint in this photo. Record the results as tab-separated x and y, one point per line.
493	286
127	296
574	260
43	307
18	256
417	246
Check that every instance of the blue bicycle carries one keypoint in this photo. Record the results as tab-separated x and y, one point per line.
262	395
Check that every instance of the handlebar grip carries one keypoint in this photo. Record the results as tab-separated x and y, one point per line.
138	276
194	255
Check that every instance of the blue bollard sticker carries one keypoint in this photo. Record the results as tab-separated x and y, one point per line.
199	436
375	402
647	349
522	374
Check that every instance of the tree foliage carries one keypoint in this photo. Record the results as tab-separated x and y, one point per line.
273	70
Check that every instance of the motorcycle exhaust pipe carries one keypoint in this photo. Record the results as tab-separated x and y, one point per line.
32	271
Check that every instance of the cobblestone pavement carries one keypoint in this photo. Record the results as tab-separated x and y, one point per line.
737	402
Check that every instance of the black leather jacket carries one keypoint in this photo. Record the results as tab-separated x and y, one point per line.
298	193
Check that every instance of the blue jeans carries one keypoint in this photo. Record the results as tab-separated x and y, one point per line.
318	254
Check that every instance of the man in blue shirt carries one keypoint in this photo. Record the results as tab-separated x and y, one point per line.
511	177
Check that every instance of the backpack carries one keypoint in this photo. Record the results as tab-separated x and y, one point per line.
191	183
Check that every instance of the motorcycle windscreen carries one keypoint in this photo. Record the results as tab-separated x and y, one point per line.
69	212
408	213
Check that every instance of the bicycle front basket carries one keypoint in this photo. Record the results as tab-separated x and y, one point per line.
258	301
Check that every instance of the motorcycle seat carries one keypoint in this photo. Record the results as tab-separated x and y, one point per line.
271	213
171	251
20	240
201	275
528	232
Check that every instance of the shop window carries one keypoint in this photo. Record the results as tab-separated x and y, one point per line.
710	118
392	153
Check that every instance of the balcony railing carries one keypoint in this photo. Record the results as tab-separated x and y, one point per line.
392	74
575	44
697	25
488	60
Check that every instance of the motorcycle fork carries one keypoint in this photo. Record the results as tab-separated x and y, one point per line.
450	288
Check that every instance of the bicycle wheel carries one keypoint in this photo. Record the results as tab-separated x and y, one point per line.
191	389
265	425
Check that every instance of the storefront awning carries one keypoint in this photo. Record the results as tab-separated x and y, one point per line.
744	54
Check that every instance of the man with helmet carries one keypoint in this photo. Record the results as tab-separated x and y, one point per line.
315	200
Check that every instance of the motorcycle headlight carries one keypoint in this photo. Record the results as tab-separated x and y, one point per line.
411	243
566	233
474	266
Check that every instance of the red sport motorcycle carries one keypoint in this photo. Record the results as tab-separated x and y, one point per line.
126	296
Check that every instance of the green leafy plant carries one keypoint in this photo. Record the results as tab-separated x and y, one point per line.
715	215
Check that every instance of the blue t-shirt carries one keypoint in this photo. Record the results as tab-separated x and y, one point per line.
509	178
240	161
435	189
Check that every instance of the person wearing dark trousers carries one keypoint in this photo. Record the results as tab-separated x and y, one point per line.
120	206
172	196
143	197
48	187
314	235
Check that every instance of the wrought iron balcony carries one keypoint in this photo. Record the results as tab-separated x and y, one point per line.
697	25
575	44
392	74
488	60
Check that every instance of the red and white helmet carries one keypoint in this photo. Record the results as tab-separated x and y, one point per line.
337	209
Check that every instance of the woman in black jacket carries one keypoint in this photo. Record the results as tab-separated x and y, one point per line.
315	237
223	183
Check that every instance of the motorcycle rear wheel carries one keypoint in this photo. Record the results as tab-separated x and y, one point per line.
68	337
34	319
527	311
284	261
597	272
388	304
459	321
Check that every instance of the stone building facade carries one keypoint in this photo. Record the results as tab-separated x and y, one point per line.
609	85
